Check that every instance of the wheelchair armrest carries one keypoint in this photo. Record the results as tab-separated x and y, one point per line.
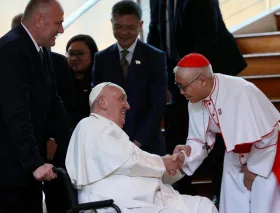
94	205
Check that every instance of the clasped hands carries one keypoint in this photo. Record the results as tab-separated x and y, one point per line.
174	163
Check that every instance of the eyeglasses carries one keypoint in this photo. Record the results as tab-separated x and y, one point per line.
183	88
77	54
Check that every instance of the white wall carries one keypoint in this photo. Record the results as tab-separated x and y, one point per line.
10	8
263	22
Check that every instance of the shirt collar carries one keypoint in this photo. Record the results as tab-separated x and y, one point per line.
119	132
102	118
35	43
213	94
130	49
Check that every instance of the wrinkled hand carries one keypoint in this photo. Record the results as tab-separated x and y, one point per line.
171	166
249	177
186	148
44	173
179	158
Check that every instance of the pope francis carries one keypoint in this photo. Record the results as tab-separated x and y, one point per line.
104	164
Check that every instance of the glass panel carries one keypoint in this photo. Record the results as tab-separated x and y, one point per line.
8	10
96	22
236	11
13	7
145	4
274	3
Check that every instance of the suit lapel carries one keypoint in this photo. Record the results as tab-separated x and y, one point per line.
135	64
35	55
44	70
47	68
115	60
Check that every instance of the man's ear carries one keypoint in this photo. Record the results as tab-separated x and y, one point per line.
203	80
103	103
39	20
141	25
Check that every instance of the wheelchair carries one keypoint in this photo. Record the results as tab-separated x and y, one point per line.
75	207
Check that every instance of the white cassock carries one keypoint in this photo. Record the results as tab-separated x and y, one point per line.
248	122
103	164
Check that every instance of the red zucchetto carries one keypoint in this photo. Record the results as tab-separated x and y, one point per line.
193	60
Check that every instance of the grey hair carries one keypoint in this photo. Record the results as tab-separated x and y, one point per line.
207	71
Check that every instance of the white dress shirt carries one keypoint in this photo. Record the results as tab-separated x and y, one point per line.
130	51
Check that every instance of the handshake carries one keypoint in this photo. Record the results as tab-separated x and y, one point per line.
174	163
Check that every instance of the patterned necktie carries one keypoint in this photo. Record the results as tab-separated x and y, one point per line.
124	63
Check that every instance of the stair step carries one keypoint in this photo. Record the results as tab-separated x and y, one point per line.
261	64
253	35
259	42
268	84
276	103
260	76
261	55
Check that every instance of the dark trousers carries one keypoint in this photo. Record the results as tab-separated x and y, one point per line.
21	199
176	124
217	162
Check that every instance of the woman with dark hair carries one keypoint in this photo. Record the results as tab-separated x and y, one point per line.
80	51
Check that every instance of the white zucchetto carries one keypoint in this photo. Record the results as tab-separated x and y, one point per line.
96	91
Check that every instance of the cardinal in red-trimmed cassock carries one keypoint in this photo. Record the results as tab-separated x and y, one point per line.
248	123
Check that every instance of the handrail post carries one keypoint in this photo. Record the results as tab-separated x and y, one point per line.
268	4
141	33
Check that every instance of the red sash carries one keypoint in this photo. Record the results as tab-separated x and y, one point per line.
246	148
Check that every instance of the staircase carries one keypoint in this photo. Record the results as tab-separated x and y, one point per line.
262	53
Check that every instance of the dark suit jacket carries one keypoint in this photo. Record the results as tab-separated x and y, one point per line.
74	92
146	89
199	28
65	82
30	110
83	89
